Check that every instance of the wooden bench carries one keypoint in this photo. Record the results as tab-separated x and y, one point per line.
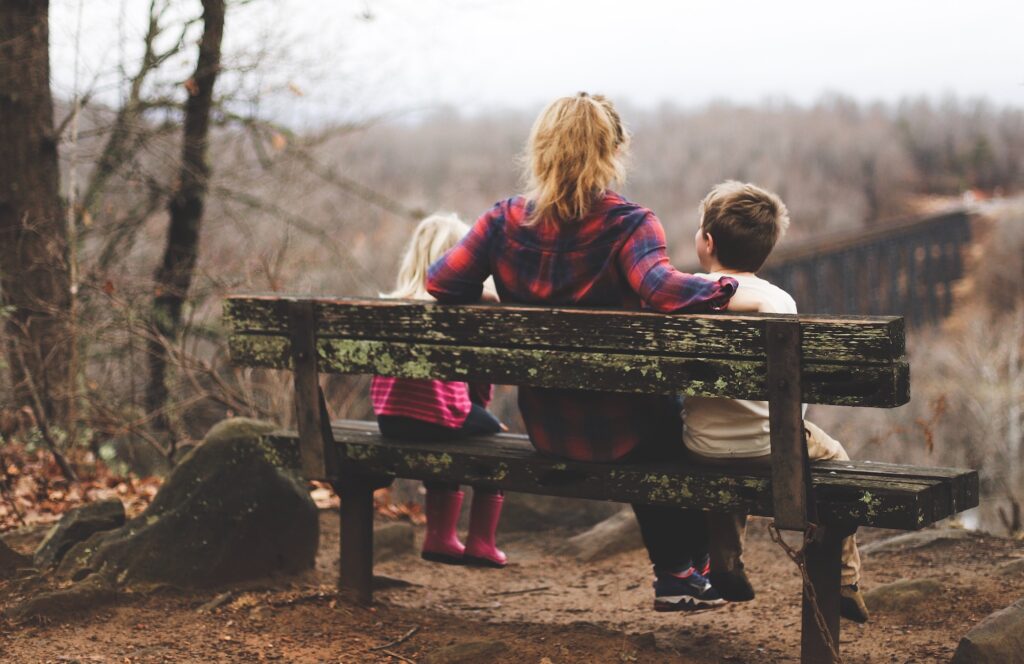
786	360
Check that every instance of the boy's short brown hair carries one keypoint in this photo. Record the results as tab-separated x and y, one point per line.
745	221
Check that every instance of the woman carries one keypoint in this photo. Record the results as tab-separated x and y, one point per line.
573	241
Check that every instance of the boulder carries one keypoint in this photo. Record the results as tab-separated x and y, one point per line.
530	512
11	562
920	539
76	526
229	512
616	534
393	539
903	596
998	639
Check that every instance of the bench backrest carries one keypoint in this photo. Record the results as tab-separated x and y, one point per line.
843	360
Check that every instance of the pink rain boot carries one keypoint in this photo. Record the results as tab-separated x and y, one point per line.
483	521
442	545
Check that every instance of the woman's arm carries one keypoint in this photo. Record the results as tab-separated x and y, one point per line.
644	261
458	276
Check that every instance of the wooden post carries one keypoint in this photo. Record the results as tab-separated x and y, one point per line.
356	573
931	280
822	288
823	560
791	470
946	268
316	446
912	303
850	277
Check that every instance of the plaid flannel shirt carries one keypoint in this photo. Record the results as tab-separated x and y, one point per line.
615	257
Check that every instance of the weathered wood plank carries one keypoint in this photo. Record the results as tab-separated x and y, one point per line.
315	449
823	563
963	483
823	383
794	507
506	461
956	488
827	338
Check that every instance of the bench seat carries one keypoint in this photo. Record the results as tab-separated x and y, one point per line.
854	493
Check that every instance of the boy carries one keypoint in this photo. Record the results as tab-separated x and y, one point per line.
739	226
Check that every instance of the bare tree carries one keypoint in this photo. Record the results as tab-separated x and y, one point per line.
174	276
34	272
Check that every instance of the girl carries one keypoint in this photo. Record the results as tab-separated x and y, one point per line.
439	410
571	240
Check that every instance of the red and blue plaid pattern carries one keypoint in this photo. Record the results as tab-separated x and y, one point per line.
617	258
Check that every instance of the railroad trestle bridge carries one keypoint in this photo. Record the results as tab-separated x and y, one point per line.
904	268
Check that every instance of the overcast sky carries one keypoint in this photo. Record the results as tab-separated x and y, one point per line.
481	55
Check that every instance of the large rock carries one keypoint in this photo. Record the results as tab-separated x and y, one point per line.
616	534
998	639
530	512
907	596
11	562
392	540
76	526
919	540
227	513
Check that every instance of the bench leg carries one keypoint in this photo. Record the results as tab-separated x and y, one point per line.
823	560
356	574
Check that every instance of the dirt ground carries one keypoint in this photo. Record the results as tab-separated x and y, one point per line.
542	609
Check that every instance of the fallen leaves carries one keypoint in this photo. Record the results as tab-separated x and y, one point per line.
33	490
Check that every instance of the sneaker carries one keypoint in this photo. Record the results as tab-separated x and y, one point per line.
733	586
690	591
851	604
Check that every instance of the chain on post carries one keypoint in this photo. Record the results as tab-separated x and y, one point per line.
798	559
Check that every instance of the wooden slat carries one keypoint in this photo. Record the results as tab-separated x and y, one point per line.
507	461
963	483
825	338
959	493
823	383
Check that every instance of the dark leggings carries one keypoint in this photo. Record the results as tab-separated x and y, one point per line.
479	422
674	537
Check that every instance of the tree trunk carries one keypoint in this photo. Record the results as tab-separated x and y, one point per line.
174	276
34	277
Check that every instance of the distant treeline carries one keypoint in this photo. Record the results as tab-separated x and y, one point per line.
837	163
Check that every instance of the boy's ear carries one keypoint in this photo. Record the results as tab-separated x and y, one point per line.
710	239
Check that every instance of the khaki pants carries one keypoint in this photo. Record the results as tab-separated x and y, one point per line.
727	531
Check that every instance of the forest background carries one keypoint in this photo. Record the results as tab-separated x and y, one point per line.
301	200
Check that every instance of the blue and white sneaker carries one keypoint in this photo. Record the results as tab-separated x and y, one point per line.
686	591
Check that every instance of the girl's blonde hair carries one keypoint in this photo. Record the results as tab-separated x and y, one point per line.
575	151
433	236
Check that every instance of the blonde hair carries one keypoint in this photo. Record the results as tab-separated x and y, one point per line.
746	222
433	236
575	151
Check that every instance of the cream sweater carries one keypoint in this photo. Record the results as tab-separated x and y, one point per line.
735	428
